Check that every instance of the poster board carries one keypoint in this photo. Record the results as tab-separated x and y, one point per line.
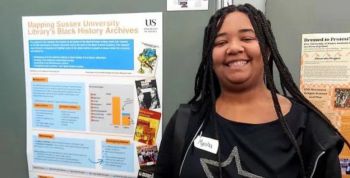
82	101
325	81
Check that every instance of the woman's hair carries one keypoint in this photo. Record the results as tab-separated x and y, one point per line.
207	87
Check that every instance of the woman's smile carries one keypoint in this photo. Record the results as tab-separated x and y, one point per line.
236	64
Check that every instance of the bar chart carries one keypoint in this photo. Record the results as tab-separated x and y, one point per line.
111	108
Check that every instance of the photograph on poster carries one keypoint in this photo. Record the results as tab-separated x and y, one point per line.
147	126
147	156
147	93
148	60
342	98
345	166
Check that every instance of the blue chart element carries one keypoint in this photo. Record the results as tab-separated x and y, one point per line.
82	54
118	157
64	151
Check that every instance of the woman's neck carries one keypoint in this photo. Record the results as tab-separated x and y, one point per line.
251	106
245	96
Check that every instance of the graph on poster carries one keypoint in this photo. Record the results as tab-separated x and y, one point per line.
111	108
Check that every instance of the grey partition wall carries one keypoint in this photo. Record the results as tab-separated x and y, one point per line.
182	38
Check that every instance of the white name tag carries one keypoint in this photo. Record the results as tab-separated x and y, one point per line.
207	144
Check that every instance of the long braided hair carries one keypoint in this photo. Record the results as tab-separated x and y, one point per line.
207	85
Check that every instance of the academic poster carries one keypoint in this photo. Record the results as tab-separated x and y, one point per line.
325	81
82	100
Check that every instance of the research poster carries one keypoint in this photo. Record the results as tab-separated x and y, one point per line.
90	80
325	81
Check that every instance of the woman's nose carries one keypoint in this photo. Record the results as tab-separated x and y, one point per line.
234	47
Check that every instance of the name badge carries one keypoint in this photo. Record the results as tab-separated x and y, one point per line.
206	144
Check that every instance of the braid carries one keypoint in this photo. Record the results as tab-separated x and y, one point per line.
259	23
213	99
205	88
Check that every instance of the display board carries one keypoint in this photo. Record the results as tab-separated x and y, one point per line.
93	84
324	80
179	62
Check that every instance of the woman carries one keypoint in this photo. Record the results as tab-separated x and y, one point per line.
239	124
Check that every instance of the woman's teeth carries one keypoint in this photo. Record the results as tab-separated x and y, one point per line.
237	63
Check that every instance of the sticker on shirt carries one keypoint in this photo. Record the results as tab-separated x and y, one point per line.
206	144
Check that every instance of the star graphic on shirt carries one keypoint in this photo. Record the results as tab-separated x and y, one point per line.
234	154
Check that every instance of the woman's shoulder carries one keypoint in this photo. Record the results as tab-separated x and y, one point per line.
186	112
305	118
317	128
313	119
308	117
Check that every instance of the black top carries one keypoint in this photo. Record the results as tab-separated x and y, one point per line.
247	150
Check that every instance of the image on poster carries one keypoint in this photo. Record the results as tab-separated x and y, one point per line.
147	93
147	157
80	89
147	126
324	80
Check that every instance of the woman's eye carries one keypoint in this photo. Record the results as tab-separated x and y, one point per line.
220	43
247	39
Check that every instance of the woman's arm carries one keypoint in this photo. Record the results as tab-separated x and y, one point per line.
165	166
328	165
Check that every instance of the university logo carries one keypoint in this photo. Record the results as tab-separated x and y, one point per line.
151	22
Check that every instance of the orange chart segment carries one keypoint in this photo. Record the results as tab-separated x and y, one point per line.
116	110
126	119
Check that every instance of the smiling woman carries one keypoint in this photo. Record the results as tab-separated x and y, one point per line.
252	128
237	59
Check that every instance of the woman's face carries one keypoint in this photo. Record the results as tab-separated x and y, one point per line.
237	60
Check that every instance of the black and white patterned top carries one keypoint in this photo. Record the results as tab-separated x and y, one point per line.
247	150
